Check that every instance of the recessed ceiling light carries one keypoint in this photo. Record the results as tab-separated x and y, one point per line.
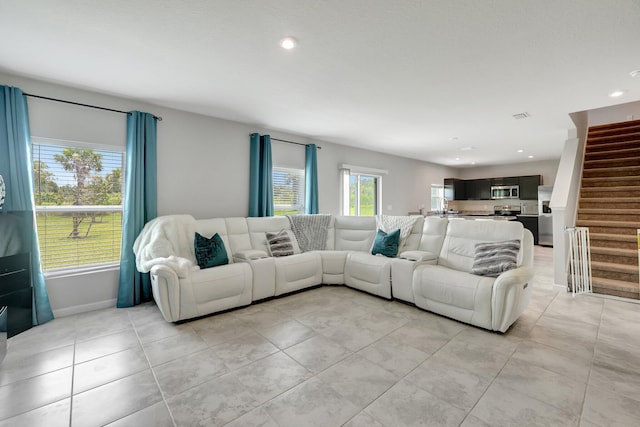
521	151
473	163
457	158
288	43
616	93
531	157
635	73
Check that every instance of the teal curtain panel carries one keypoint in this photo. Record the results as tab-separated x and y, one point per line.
311	180
16	168
260	179
140	204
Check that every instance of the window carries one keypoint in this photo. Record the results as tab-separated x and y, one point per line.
437	197
288	191
361	191
78	193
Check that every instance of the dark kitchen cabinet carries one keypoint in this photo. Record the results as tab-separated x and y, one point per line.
454	189
529	187
530	222
507	180
478	189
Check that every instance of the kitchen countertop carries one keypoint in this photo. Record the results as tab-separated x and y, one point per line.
477	216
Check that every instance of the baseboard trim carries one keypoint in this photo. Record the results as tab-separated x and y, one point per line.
77	309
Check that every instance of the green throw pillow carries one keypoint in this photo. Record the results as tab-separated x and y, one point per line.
210	252
386	244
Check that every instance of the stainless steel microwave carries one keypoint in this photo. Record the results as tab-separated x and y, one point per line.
505	192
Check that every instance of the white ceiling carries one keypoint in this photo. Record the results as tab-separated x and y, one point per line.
405	77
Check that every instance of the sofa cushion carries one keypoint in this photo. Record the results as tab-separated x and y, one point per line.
455	294
210	252
458	247
386	243
279	243
493	258
354	233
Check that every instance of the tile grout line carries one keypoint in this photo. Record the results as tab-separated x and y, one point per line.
509	359
73	369
153	373
593	357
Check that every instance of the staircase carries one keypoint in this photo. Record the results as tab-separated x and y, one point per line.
609	205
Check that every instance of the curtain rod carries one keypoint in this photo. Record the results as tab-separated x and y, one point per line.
84	105
292	142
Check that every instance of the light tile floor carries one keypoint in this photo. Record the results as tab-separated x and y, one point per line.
327	357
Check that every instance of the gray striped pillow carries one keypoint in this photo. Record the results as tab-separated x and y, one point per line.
493	258
279	243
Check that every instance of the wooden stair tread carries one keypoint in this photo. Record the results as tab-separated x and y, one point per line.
610	200
614	251
595	166
615	284
630	124
610	223
604	137
609	160
614	237
614	189
635	122
611	266
612	153
611	178
609	211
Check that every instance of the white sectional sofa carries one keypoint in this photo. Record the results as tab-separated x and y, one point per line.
433	269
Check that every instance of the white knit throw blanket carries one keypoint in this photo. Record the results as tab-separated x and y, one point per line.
389	223
166	240
310	230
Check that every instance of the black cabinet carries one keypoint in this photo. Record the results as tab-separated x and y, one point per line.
508	180
454	189
529	187
16	292
478	189
530	222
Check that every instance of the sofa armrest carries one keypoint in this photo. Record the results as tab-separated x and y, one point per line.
165	285
419	256
510	296
249	255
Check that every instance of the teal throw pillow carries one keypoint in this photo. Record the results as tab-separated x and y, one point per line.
386	243
210	252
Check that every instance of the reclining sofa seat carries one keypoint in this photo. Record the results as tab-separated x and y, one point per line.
449	288
200	291
367	272
292	273
429	235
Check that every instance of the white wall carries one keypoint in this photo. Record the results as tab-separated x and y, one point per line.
203	168
615	114
547	168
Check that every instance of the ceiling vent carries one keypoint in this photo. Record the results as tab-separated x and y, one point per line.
521	115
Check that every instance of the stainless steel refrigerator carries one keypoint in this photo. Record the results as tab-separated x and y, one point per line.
545	218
